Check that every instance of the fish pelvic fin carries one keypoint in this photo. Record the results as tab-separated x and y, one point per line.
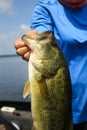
43	89
26	91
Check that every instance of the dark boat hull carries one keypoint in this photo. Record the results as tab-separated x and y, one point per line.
22	115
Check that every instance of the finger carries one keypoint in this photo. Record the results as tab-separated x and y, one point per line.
19	43
26	56
21	51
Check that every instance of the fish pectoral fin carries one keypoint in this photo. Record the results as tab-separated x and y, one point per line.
43	89
26	91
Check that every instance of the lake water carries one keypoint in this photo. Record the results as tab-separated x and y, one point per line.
13	75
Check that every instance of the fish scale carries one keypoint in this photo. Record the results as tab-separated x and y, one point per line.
50	85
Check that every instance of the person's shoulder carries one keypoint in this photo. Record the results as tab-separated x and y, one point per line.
50	2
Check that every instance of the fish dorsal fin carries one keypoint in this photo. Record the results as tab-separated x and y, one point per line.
26	91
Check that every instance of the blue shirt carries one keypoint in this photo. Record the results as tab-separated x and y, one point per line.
70	28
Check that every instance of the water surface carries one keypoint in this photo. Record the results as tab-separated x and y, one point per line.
13	75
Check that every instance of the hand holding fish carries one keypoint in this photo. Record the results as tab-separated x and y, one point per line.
22	49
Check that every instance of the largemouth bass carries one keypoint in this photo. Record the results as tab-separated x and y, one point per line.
49	84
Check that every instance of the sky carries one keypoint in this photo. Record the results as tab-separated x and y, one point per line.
15	20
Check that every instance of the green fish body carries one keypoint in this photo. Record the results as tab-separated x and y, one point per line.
49	84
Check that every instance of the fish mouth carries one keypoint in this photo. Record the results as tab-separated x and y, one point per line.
31	43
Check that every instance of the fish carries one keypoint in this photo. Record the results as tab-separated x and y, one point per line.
49	84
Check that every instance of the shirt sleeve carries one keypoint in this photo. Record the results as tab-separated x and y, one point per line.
41	19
